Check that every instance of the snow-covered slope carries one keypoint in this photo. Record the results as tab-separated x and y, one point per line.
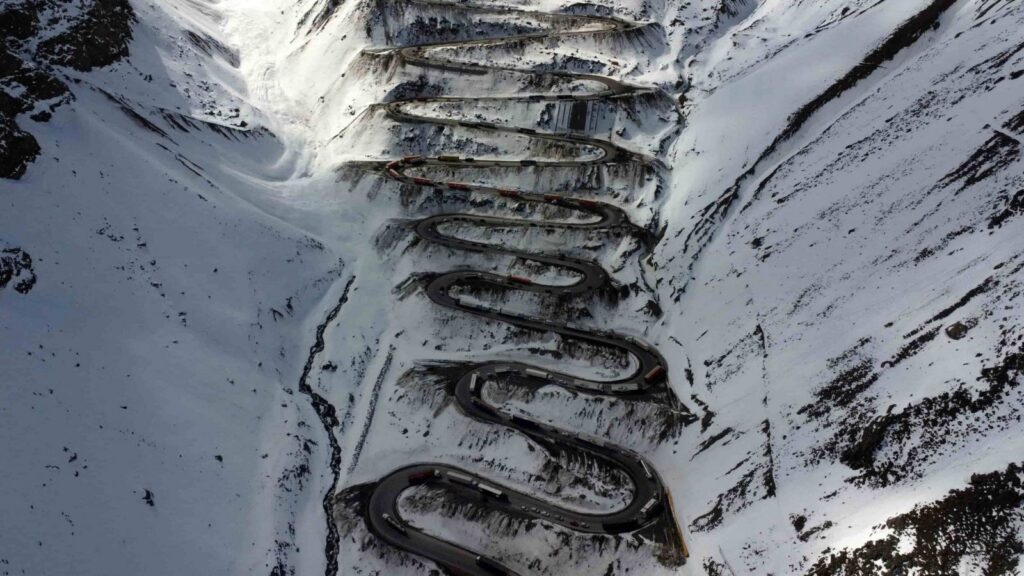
164	267
211	316
841	266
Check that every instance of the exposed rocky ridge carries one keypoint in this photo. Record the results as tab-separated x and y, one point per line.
973	530
16	266
39	36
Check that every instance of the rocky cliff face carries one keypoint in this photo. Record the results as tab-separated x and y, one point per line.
16	270
40	38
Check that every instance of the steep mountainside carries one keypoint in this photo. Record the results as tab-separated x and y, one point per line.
216	334
841	270
158	274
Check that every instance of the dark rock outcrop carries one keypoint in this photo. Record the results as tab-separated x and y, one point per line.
16	267
96	35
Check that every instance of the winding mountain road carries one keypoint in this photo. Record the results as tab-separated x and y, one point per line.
650	501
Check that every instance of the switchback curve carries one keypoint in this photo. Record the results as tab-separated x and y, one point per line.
650	499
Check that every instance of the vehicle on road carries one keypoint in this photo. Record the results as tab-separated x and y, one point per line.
649	506
394	523
423	476
461	478
647	470
490	565
655	374
492	492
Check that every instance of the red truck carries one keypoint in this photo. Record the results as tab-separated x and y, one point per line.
422	476
655	374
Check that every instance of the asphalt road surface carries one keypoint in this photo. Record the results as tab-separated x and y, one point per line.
649	499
